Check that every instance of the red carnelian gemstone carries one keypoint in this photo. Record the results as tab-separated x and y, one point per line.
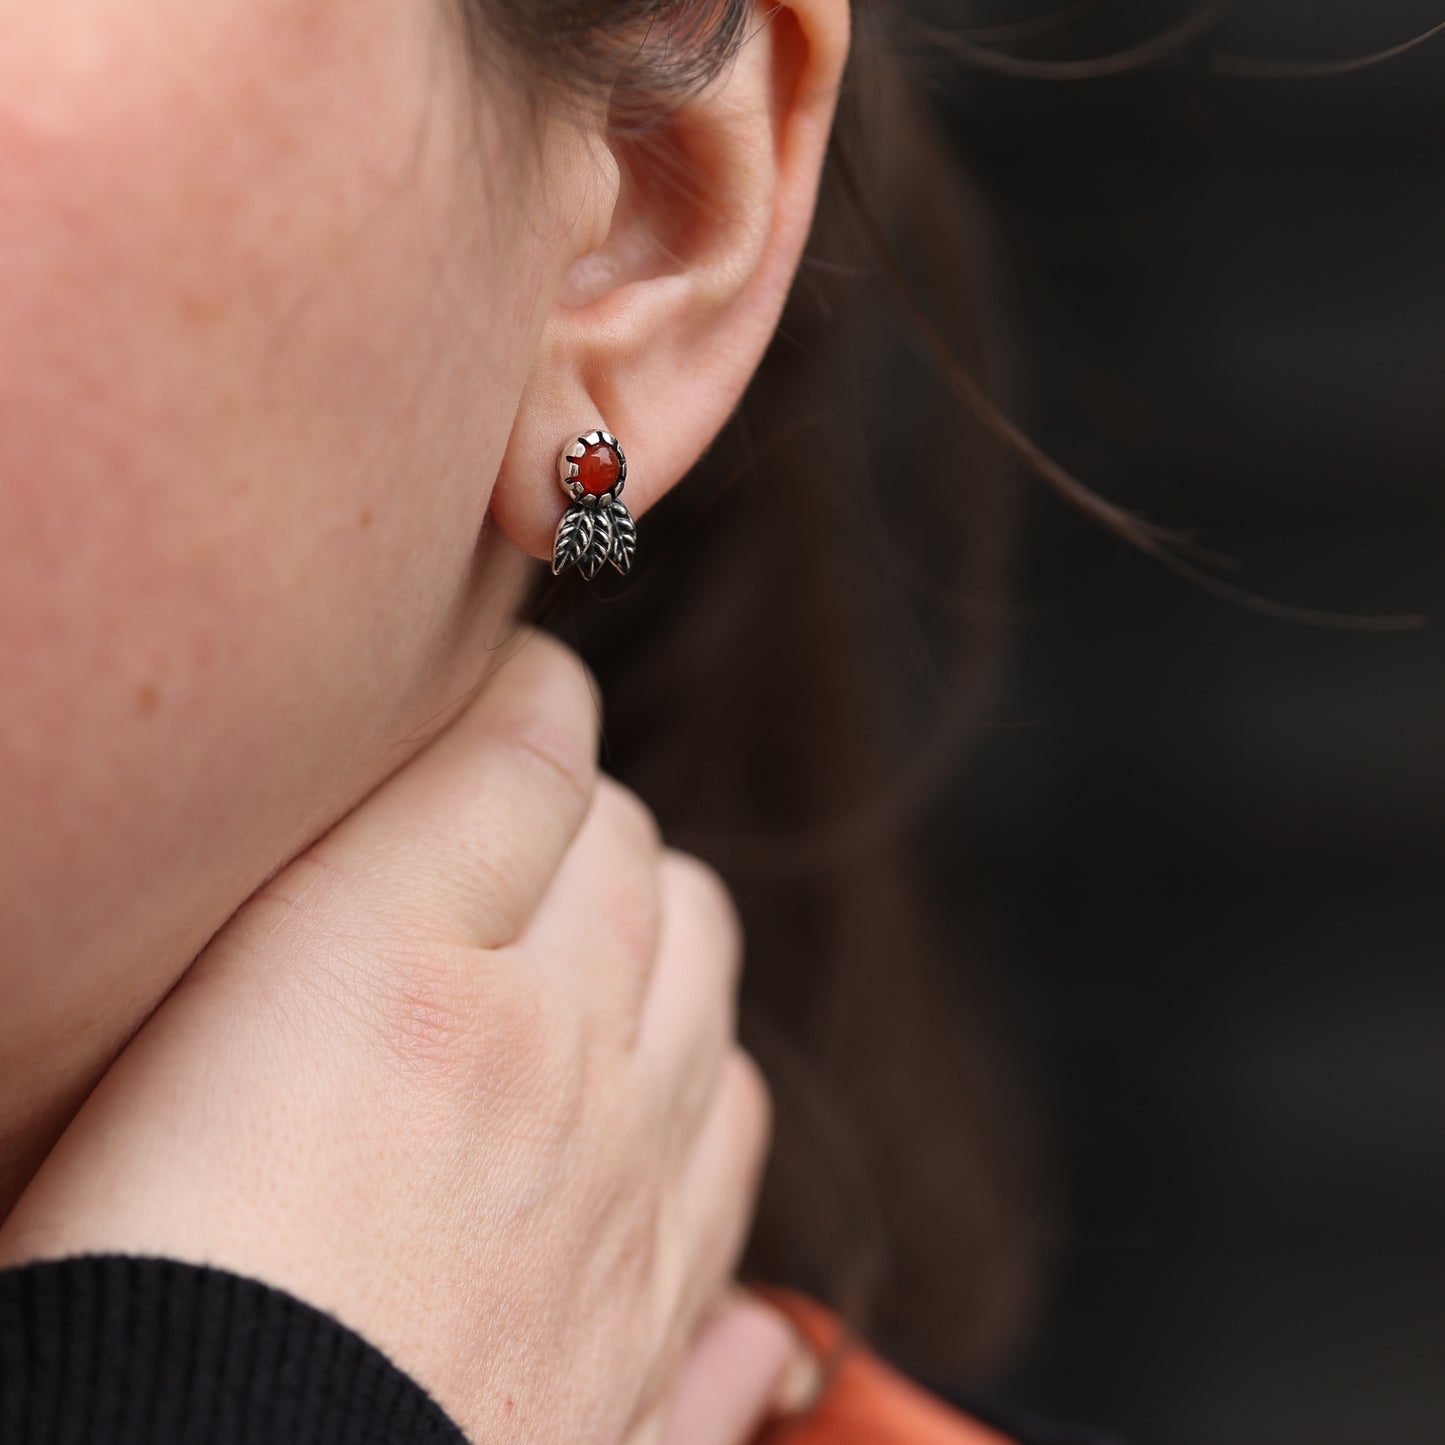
597	469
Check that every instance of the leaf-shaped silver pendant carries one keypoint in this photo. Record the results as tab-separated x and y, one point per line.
574	537
599	544
624	538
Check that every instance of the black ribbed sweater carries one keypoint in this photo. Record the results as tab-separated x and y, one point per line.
109	1350
116	1351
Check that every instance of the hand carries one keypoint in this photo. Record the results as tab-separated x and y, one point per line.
463	1075
746	1363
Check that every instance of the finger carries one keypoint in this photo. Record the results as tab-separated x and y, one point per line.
600	919
466	838
690	1011
740	1368
718	1186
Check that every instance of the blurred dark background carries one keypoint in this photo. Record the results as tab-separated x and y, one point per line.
1210	845
1190	856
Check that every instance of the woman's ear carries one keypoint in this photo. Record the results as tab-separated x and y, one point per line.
655	334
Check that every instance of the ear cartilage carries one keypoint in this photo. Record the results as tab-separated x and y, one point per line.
596	528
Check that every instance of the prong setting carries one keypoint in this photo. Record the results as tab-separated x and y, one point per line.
569	469
596	528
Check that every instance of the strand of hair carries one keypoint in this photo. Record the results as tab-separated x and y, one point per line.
1159	543
1164	45
1252	67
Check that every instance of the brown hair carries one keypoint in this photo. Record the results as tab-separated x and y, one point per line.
758	675
651	53
842	550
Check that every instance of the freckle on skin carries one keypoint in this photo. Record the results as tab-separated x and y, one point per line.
366	519
148	699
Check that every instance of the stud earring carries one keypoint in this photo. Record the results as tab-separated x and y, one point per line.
596	528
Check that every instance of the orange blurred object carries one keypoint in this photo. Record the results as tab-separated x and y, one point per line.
866	1402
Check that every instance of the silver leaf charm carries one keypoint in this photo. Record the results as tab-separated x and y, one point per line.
588	537
574	537
599	544
624	538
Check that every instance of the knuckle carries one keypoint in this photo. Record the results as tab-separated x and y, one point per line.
628	917
556	754
698	889
548	714
457	873
460	1026
629	818
553	659
531	1059
423	1010
747	1096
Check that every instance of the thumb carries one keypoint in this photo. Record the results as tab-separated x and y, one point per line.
746	1364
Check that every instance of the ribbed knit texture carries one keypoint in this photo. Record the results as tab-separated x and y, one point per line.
115	1351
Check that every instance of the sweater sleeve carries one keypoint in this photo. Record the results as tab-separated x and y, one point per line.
108	1350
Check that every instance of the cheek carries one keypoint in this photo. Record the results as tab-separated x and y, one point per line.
257	369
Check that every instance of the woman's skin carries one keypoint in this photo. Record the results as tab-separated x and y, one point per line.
298	301
464	1076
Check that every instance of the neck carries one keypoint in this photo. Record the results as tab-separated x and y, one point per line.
72	1009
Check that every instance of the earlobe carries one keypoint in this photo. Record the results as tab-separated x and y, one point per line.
654	335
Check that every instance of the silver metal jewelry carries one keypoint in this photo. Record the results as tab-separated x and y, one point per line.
596	528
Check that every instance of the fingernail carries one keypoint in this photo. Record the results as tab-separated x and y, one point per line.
801	1384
